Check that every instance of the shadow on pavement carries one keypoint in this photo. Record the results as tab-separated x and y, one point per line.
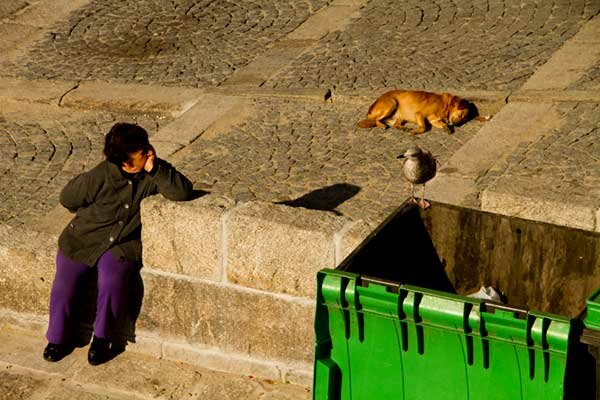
325	199
197	193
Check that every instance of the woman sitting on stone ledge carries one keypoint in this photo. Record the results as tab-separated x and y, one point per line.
106	233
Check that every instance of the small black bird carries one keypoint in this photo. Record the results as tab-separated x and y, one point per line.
419	168
328	95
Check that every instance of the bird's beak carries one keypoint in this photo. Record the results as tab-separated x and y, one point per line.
400	156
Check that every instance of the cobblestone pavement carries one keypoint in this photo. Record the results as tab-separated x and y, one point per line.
561	164
474	44
299	152
8	8
290	149
590	81
38	158
180	43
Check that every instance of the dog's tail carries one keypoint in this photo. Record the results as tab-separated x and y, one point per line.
367	123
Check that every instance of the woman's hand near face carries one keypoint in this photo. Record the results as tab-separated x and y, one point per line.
151	156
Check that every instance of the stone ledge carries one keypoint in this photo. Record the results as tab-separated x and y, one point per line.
220	327
259	245
559	213
453	189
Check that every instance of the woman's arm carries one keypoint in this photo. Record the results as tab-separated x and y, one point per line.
79	192
170	183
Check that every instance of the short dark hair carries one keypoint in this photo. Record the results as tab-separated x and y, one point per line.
122	140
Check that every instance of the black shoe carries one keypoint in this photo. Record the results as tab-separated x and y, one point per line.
99	351
56	352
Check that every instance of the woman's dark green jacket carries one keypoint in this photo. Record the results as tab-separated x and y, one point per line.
106	204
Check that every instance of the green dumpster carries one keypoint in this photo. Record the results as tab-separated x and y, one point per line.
394	321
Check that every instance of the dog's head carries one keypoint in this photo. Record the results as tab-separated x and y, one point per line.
460	111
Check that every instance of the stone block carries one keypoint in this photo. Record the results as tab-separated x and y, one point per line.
267	64
165	149
279	248
538	209
26	269
184	237
208	109
328	19
350	238
515	123
452	189
250	323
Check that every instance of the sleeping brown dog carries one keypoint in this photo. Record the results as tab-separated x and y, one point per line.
398	107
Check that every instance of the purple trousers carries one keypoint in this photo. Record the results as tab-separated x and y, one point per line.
111	302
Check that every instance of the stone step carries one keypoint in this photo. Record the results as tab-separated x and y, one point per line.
25	375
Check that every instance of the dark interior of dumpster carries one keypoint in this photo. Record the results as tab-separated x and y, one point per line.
534	265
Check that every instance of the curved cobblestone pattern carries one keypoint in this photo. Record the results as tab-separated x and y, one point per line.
568	159
38	159
440	44
189	43
313	155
